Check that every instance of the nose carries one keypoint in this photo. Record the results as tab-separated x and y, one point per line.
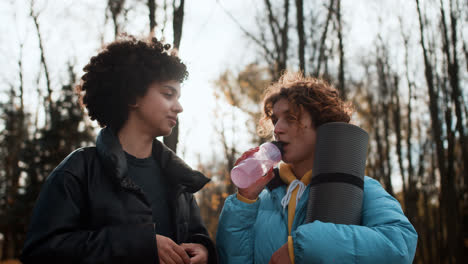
177	107
279	129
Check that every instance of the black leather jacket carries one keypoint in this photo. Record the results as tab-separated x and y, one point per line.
89	211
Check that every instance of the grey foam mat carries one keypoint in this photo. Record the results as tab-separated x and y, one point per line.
341	148
344	208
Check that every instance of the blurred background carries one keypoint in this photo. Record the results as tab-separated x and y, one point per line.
403	64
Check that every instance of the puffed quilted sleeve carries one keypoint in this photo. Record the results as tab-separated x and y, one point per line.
235	235
386	235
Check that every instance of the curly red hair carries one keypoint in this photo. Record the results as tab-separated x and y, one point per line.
321	100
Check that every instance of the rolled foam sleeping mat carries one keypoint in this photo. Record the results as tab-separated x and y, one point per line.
337	185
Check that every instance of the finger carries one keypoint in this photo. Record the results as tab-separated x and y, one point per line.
270	173
269	176
174	257
262	181
188	247
196	259
246	154
166	259
253	150
180	251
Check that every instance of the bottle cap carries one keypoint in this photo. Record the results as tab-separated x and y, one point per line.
279	145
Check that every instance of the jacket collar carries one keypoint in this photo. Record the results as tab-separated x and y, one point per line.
178	172
276	181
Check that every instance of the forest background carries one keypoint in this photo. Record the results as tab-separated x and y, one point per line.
403	64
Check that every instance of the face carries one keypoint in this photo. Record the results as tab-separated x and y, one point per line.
156	112
299	140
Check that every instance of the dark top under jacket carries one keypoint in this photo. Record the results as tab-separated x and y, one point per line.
147	175
90	211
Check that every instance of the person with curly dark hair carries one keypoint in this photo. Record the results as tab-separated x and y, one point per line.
256	227
129	199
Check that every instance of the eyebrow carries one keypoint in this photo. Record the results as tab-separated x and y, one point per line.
283	112
172	89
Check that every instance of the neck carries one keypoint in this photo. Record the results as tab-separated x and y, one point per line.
301	168
135	142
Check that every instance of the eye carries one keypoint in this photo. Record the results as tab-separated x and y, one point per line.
290	118
168	94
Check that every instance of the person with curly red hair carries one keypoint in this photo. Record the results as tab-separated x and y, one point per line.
255	227
129	199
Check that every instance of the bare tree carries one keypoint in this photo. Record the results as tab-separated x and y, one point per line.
450	51
116	8
341	71
410	191
177	23
279	33
152	15
448	199
321	56
35	17
300	33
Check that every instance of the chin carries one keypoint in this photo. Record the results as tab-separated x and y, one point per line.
167	132
163	133
291	159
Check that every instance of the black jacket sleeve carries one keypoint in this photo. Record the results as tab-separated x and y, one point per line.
198	232
58	233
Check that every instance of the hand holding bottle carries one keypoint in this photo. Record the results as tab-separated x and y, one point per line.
256	165
256	188
252	165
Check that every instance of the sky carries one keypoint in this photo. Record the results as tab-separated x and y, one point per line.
211	43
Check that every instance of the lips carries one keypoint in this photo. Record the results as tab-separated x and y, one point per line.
173	120
282	141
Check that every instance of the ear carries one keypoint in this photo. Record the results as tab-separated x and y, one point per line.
133	104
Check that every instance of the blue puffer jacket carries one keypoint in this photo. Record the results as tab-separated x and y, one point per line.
251	233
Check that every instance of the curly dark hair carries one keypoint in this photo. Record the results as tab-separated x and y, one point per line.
321	100
122	72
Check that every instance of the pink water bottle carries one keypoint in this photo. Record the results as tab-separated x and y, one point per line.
257	165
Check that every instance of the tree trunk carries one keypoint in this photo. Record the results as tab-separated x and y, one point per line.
152	15
115	7
465	51
173	139
450	51
300	33
380	163
397	124
178	22
445	205
388	173
341	73
280	37
284	38
323	39
411	187
35	16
